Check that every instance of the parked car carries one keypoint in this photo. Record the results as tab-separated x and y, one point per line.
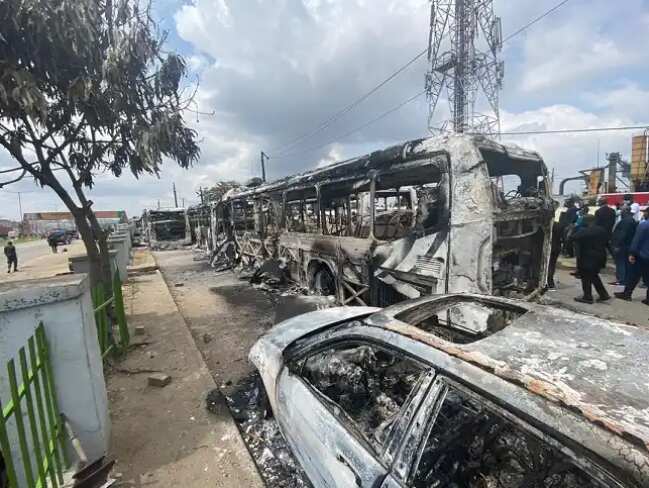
59	237
460	391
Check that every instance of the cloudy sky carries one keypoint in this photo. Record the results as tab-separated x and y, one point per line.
273	70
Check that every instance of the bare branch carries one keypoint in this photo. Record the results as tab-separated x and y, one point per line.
15	180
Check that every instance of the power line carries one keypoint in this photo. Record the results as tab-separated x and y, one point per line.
537	19
285	149
575	131
326	123
363	126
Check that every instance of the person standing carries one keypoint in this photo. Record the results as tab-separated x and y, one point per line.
53	243
623	233
12	257
639	260
555	251
591	240
635	210
605	216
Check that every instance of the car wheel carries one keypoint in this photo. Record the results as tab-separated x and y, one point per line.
324	283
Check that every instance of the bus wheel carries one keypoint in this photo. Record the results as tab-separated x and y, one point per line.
324	282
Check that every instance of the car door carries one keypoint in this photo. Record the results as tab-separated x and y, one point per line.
344	408
469	441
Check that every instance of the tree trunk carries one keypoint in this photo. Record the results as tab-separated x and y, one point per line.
101	240
95	259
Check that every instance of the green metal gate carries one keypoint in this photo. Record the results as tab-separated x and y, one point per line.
108	313
40	439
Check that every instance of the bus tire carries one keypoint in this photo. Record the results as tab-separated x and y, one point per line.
324	282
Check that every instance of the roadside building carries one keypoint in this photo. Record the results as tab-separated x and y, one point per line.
8	228
42	223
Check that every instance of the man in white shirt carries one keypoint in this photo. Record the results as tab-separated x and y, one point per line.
635	211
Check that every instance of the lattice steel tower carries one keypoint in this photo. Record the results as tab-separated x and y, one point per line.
464	48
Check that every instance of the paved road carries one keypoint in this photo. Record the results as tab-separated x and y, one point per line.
27	251
36	261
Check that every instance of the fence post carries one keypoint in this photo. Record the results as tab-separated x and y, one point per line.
124	337
51	404
35	365
30	412
20	425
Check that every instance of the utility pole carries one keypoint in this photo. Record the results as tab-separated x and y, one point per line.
175	196
468	67
20	208
263	166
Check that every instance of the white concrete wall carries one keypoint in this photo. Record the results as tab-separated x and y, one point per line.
64	306
120	244
81	264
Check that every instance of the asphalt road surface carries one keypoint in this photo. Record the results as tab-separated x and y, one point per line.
27	251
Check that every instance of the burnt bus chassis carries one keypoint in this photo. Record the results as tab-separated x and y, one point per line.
482	242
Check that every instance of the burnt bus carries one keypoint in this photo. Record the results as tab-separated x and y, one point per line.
166	228
445	214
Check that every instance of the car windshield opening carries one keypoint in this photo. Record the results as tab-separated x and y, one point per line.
461	321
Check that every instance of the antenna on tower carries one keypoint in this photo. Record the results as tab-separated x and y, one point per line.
463	49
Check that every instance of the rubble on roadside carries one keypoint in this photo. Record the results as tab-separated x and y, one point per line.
260	432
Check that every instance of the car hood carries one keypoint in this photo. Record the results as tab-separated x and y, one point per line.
288	331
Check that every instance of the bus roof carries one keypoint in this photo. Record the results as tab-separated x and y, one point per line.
400	153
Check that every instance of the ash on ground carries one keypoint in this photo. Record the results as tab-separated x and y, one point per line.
249	407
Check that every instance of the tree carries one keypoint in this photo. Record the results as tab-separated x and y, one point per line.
86	89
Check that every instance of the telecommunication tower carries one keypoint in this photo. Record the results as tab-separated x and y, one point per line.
463	50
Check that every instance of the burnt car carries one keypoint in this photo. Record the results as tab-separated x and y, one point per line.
460	391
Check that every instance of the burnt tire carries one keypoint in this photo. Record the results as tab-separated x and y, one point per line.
324	283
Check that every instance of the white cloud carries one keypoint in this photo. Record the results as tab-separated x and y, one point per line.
271	70
568	153
629	99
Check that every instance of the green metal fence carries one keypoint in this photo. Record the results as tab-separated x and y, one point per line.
110	315
40	440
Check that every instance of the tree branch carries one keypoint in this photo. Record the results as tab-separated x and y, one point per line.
15	180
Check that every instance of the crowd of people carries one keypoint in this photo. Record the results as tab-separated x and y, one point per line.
621	232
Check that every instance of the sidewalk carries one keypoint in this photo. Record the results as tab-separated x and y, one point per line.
163	437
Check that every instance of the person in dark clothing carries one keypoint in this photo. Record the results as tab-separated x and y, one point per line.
555	251
623	233
12	256
567	220
605	216
639	259
571	211
591	240
53	243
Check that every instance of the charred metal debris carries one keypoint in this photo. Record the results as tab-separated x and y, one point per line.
438	215
249	406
